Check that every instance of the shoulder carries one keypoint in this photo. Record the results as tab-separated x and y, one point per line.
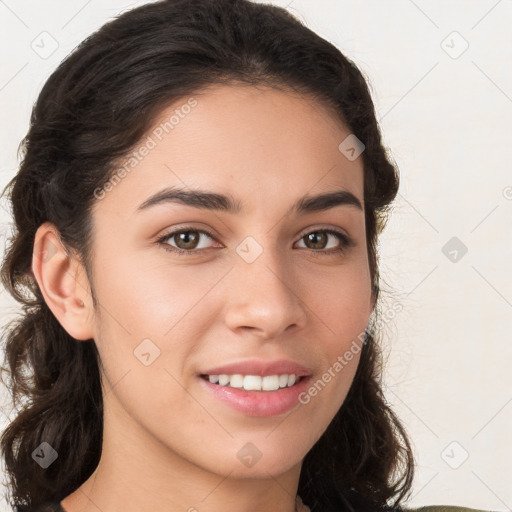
443	508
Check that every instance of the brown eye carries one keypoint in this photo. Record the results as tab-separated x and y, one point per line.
186	239
316	241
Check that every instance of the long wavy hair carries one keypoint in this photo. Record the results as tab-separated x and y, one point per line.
92	111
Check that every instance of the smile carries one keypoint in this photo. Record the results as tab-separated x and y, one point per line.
254	382
256	402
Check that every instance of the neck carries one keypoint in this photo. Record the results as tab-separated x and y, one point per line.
136	472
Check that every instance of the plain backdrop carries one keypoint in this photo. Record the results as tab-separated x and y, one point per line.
441	78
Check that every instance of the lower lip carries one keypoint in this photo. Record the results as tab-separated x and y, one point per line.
259	403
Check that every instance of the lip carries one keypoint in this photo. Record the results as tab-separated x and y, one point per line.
258	403
260	367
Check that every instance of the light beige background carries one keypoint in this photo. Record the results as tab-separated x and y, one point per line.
441	79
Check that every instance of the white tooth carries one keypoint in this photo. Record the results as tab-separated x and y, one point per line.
291	379
252	382
283	381
223	380
213	378
236	381
270	383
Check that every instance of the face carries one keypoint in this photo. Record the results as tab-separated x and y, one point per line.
267	288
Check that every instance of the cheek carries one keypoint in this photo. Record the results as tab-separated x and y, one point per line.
151	317
328	390
341	307
344	310
341	301
147	329
148	299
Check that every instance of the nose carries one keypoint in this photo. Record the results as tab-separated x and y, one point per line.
264	298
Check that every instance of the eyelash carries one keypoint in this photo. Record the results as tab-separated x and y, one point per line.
346	242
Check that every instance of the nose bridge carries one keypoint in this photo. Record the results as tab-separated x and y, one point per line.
264	298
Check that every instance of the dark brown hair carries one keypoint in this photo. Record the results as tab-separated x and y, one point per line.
92	111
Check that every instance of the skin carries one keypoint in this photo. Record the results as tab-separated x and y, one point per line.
168	443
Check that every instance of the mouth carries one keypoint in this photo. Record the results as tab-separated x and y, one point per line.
267	383
256	395
257	387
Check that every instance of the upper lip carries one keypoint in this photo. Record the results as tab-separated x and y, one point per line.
260	367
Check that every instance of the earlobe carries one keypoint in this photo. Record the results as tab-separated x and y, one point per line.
63	283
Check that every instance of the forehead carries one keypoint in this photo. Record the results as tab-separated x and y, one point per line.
246	141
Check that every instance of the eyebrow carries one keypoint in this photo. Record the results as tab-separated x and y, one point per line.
213	201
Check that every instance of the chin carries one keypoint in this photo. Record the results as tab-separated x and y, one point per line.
249	461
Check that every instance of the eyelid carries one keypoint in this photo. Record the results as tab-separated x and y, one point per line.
327	228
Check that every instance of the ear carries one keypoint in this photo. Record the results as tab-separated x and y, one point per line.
63	283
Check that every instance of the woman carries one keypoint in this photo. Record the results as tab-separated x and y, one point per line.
196	216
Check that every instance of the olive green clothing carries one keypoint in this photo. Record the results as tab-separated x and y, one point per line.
443	508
